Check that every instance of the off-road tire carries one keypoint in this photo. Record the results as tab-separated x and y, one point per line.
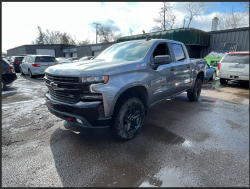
194	95
3	85
30	74
213	76
223	81
118	124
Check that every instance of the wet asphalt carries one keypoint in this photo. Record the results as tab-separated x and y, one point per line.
182	143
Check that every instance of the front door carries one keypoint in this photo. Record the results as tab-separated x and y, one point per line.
162	83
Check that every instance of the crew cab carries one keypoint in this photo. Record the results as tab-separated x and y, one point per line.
116	88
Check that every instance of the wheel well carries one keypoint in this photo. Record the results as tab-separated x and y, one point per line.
200	76
138	91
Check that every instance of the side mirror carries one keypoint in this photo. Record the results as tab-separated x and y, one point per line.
162	59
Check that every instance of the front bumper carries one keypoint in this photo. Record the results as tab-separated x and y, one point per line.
87	112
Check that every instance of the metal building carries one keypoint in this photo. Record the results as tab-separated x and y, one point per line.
55	49
227	41
85	50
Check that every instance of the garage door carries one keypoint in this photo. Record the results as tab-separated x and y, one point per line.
46	52
74	55
66	55
97	52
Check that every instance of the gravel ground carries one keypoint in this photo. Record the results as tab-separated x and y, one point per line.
182	143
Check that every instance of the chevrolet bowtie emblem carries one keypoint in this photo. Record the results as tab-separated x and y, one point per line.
53	85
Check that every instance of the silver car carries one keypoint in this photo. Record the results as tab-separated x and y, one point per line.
63	60
234	66
35	65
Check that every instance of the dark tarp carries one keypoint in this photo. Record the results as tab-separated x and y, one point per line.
188	36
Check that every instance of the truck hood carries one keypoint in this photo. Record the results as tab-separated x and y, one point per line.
84	68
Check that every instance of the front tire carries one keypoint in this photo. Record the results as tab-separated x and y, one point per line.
195	94
3	85
128	120
30	74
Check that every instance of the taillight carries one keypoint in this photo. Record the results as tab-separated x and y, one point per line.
11	70
36	65
16	62
219	66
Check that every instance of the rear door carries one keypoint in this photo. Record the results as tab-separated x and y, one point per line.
183	67
234	65
45	62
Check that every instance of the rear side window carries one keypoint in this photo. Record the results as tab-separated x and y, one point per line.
178	51
19	59
244	58
231	58
45	59
5	64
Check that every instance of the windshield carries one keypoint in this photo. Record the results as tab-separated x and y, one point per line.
126	51
45	59
19	59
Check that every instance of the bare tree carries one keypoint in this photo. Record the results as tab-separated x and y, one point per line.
245	6
167	18
85	42
195	9
130	31
233	20
54	37
40	38
106	34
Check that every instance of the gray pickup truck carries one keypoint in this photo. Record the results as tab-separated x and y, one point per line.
116	88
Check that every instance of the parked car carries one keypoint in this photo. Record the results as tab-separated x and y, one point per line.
63	60
234	66
35	65
15	61
72	58
85	58
210	72
8	73
115	89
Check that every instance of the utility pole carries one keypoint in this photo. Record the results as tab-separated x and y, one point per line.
96	25
164	16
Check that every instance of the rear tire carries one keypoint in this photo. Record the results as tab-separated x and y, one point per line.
195	94
223	81
128	120
3	85
30	74
213	76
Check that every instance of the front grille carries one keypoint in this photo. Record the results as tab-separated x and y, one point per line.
62	78
64	96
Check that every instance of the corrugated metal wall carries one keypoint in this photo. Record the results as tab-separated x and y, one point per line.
86	49
16	51
238	35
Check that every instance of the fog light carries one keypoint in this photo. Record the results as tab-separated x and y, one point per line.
78	120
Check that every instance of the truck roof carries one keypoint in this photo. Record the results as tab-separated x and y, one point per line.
141	40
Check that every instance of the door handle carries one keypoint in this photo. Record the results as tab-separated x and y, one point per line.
172	69
188	66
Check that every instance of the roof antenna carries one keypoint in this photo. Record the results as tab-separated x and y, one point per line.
147	39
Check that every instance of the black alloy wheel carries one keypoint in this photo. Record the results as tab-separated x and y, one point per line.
132	119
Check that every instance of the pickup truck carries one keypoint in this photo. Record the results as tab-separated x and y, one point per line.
115	89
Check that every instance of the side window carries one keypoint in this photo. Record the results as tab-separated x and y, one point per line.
24	59
29	60
178	51
5	64
161	49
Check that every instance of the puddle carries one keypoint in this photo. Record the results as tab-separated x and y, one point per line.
165	178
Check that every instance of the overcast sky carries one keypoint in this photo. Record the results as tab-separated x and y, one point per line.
20	19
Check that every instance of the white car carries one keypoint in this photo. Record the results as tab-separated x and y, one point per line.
234	66
35	65
63	60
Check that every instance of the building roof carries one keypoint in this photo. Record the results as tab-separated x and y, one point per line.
62	45
229	30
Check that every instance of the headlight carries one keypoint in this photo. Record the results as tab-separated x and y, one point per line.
94	79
